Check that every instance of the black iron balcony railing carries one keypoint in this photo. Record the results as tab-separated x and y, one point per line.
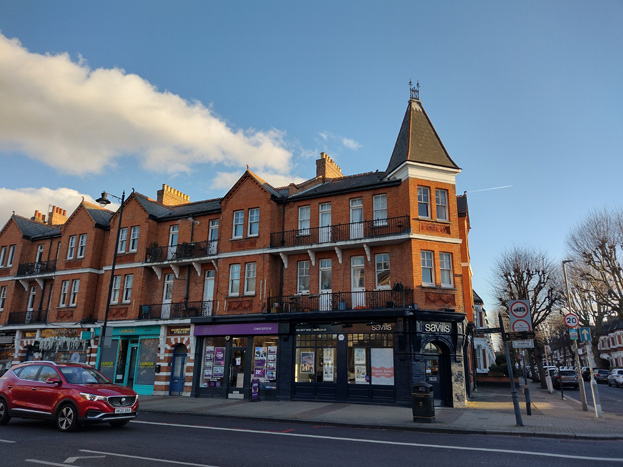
32	269
342	301
157	254
178	310
341	232
28	317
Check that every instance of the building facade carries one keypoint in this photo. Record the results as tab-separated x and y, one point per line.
341	288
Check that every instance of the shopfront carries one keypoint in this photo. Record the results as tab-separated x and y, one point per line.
131	358
230	356
7	350
346	362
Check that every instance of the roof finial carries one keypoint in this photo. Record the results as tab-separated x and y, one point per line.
415	91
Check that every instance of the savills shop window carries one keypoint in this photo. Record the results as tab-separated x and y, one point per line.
316	358
371	359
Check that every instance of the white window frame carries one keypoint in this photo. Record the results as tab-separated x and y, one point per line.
2	256
382	264
127	288
123	240
82	244
423	200
445	269
114	294
441	202
9	261
71	247
64	290
32	294
238	224
234	280
75	288
379	210
134	233
304	220
325	274
254	222
250	272
2	297
428	263
302	272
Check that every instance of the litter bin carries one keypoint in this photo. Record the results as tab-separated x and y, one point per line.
423	403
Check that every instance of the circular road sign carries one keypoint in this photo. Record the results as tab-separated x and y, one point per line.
571	320
521	325
518	309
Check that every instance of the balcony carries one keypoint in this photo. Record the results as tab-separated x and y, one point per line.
179	310
34	269
28	317
357	231
181	251
342	301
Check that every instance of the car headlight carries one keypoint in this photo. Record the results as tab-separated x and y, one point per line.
93	397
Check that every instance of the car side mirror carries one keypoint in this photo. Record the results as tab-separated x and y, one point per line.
53	380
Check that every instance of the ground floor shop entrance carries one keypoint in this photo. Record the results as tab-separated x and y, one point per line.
232	356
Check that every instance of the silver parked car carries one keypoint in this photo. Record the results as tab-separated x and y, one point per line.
615	378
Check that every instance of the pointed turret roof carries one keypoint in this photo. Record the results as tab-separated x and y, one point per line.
418	141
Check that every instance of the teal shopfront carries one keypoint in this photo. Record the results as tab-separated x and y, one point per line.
131	358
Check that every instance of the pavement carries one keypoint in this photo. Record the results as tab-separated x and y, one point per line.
489	411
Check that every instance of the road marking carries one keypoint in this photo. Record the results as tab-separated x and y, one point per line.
35	461
164	461
7	441
394	443
71	460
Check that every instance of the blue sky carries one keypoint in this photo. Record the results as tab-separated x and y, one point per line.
119	95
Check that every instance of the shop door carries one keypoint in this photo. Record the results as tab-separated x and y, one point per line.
358	282
325	223
176	385
131	366
237	375
437	372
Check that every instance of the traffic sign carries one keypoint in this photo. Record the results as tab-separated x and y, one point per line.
585	334
524	344
519	336
573	334
519	313
571	320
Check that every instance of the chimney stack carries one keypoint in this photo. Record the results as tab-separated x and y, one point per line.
172	197
327	168
57	216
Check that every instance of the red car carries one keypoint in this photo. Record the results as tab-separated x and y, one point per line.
68	393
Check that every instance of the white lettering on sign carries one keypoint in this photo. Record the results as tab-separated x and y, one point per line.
381	327
437	327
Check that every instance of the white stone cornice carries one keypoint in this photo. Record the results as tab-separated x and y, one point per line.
434	238
425	172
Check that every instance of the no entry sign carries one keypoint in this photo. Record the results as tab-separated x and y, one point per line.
519	312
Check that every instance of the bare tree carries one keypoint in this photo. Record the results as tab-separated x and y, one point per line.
525	274
597	242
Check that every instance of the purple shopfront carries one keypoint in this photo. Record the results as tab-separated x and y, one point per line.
230	356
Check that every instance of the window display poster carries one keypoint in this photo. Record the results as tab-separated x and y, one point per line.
382	366
360	374
271	375
260	353
272	350
272	357
307	362
219	356
271	366
328	356
360	356
218	372
260	372
328	373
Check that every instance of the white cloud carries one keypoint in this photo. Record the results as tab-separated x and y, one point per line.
225	180
330	138
351	144
72	118
25	201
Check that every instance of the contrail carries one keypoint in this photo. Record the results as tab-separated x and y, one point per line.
489	189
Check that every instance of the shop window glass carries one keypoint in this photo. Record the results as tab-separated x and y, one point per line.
265	361
316	358
108	358
147	357
371	359
213	362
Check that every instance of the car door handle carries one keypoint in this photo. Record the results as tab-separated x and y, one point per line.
34	389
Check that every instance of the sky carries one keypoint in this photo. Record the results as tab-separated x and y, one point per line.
110	96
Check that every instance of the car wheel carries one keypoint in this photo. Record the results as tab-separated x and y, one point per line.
119	423
67	418
4	412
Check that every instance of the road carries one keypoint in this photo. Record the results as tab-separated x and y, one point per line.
187	440
611	398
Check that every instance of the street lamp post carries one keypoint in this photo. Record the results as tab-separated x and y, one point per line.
578	365
104	201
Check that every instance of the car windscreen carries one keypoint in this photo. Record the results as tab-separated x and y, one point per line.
80	375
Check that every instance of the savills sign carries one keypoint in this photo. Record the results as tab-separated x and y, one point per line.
436	326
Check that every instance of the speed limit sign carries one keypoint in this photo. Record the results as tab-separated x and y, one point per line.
571	320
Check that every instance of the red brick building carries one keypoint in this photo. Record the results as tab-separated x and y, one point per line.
344	287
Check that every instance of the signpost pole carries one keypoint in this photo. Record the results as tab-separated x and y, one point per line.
518	420
580	379
585	336
526	389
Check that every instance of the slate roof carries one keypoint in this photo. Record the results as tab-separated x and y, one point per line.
344	184
100	216
32	229
191	209
477	299
418	141
153	208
